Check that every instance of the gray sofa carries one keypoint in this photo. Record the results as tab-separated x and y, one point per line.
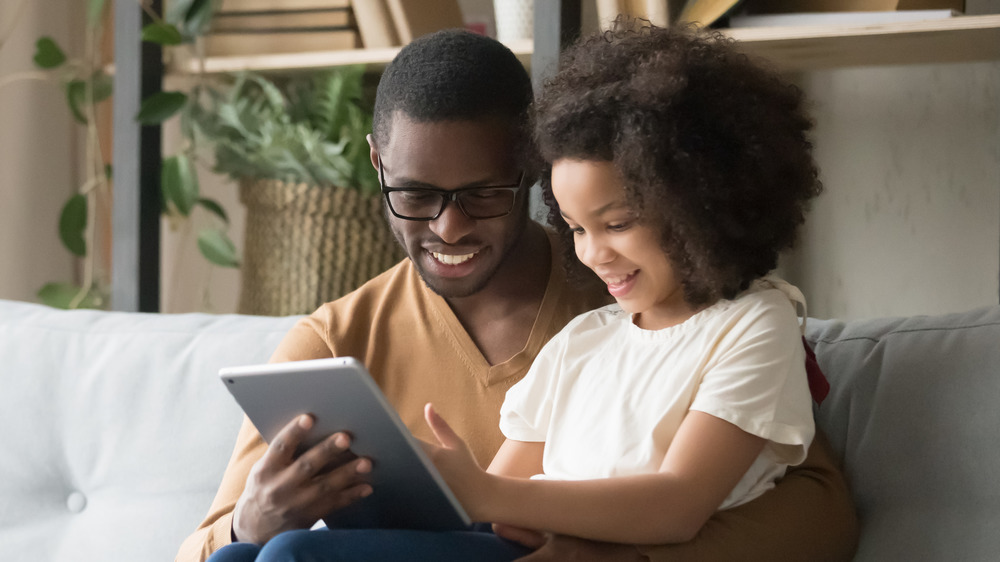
115	429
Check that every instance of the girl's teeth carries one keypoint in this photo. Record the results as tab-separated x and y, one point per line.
451	259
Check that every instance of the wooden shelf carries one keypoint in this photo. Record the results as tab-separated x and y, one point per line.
290	62
958	39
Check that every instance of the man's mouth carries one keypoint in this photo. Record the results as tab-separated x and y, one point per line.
451	259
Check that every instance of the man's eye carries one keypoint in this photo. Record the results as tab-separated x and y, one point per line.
486	194
416	196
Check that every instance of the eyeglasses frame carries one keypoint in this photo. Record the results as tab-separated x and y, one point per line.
447	196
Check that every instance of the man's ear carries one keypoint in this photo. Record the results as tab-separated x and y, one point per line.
373	150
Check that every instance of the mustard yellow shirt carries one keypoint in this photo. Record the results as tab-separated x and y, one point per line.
418	352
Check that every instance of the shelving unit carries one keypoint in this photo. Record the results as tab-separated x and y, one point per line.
953	40
958	39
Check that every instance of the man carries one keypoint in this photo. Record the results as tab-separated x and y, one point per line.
460	321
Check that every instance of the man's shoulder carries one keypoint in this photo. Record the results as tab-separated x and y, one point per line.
393	285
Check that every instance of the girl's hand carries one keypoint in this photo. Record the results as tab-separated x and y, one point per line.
457	465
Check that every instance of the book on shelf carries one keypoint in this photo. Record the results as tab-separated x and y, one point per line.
664	12
706	12
839	18
414	18
375	24
250	27
810	6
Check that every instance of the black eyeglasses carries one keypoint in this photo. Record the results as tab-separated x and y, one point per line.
427	204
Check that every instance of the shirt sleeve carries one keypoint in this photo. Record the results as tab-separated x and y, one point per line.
756	379
304	341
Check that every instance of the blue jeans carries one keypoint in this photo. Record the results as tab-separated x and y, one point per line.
375	545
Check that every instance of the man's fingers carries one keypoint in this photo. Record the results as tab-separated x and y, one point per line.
327	454
342	486
284	445
444	433
527	537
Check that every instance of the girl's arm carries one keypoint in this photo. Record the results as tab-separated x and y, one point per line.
704	463
518	459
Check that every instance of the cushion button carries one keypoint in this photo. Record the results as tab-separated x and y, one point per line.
76	502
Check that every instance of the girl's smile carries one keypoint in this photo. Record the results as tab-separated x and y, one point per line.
623	251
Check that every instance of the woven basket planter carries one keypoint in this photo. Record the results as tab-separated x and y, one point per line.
305	245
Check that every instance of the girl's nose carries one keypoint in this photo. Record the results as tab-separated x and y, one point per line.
594	251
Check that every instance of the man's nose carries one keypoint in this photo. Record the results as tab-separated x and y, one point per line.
452	225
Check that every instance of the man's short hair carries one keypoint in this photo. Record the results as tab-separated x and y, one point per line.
452	75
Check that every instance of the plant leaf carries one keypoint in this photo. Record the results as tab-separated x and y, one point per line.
102	86
73	223
94	10
76	94
162	33
215	208
217	248
61	295
160	106
48	54
192	17
179	183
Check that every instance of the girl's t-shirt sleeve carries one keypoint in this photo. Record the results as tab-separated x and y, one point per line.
756	380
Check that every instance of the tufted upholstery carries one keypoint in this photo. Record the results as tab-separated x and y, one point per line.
115	430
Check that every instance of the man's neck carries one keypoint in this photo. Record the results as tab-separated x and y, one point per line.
499	317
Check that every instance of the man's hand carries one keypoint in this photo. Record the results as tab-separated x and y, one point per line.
559	548
283	493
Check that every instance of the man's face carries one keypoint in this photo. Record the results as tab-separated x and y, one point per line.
456	256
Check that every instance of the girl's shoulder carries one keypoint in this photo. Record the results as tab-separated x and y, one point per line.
609	316
770	297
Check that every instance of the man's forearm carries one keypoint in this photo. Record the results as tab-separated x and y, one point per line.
808	516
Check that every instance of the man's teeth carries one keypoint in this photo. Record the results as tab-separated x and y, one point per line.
452	260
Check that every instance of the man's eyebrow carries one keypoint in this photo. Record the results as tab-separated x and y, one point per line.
410	182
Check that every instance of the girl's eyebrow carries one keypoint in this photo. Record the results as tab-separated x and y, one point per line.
612	206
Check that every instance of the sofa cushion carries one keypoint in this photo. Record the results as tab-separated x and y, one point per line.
914	411
116	429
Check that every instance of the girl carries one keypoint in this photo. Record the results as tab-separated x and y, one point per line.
679	170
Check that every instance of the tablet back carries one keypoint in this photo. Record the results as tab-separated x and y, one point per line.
409	493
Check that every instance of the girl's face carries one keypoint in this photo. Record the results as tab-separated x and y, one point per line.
609	240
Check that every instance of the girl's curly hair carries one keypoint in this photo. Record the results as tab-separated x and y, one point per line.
711	147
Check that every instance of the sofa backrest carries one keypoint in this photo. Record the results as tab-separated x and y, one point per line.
115	427
914	412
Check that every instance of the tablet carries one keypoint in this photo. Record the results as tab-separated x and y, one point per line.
408	491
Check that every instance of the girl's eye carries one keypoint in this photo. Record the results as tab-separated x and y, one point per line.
618	227
576	230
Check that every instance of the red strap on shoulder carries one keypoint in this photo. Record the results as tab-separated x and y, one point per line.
819	387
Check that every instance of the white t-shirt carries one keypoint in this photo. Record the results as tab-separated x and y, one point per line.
607	397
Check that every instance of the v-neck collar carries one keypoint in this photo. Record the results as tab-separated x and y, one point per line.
471	355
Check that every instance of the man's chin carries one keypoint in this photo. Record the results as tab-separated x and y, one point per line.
454	288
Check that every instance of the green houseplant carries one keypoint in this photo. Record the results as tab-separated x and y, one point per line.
87	84
297	148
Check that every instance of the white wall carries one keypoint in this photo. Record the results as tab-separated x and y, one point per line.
910	219
39	149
